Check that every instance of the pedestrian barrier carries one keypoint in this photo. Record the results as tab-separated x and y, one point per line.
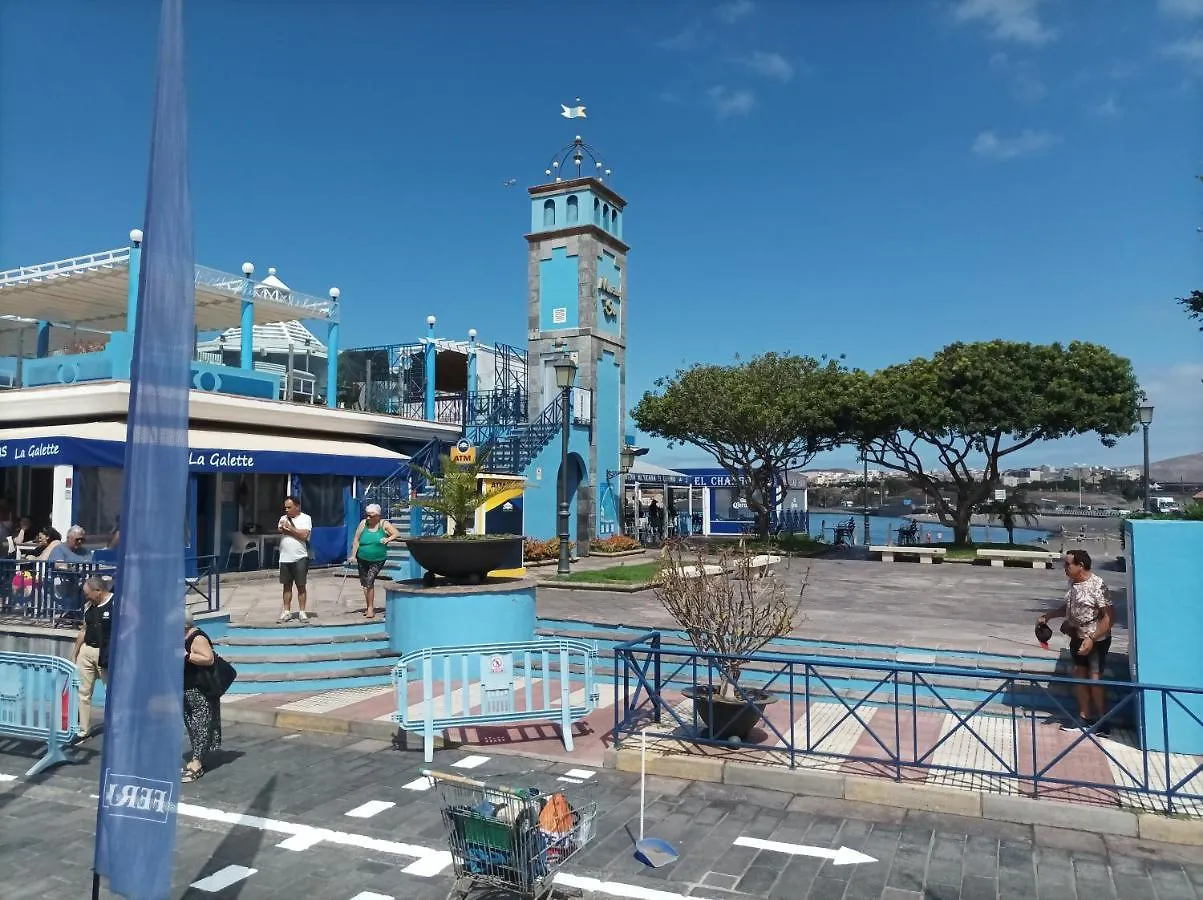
495	684
39	701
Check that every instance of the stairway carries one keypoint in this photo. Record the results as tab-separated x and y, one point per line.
513	446
291	659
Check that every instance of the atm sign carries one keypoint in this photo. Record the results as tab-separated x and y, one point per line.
463	453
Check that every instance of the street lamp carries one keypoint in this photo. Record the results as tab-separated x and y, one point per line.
1144	412
565	368
626	461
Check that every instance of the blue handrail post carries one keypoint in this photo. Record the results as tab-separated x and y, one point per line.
656	677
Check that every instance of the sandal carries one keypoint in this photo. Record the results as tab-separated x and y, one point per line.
190	775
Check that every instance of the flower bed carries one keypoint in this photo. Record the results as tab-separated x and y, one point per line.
615	544
536	551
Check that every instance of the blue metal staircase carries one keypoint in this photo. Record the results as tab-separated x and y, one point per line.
496	424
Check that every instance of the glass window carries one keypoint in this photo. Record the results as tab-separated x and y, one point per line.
322	499
549	214
99	493
267	501
730	506
572	210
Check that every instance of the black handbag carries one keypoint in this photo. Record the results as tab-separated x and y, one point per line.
217	678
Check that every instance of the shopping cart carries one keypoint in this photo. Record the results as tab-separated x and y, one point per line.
512	838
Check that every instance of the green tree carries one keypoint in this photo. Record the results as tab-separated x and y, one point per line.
456	493
1194	305
947	422
757	418
1011	510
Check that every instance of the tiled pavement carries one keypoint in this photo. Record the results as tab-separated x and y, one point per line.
295	784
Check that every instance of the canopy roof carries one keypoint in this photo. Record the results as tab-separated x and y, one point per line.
92	292
643	472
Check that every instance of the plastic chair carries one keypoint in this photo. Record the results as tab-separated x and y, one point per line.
242	544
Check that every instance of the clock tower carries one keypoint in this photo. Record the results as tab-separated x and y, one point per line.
577	290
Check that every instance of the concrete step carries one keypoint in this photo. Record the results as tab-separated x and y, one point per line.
237	640
287	654
311	682
315	665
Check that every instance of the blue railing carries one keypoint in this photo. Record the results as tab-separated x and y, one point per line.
42	592
989	726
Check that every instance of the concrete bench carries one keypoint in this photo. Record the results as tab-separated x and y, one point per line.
1037	559
925	554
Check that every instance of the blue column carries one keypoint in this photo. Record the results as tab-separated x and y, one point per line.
42	347
332	351
428	405
246	356
471	365
135	272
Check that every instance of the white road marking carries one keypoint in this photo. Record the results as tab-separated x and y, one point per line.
371	895
371	808
4	778
299	842
223	878
583	774
570	780
470	762
845	856
616	888
418	784
434	861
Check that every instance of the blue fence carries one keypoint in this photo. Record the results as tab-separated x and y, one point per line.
495	684
45	592
39	701
986	729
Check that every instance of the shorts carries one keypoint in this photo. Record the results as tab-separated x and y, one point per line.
369	571
1094	662
294	572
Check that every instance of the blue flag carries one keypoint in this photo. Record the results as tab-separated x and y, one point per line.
140	769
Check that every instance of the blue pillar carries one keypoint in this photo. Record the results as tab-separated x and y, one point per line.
42	347
471	365
135	273
332	351
428	405
246	356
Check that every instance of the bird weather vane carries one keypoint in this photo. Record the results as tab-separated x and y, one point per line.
573	112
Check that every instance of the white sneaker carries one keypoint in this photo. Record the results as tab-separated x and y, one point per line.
303	616
285	616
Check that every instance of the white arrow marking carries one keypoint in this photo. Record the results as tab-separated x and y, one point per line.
845	856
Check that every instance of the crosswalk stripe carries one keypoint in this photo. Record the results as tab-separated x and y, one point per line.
371	895
371	808
418	784
470	762
223	878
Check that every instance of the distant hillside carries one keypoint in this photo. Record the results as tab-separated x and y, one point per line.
1187	468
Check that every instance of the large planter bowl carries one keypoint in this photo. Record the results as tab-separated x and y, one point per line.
465	560
725	719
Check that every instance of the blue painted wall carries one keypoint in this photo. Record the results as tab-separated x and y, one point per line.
559	281
540	499
1166	617
553	213
607	268
609	437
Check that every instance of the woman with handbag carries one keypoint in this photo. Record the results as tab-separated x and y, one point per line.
202	703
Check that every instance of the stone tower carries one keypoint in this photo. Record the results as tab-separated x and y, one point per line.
577	288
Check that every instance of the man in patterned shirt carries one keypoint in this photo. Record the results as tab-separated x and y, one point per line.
1088	615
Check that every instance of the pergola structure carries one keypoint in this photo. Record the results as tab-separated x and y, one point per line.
56	307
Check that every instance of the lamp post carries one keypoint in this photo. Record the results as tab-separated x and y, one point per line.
1145	414
865	495
565	368
626	461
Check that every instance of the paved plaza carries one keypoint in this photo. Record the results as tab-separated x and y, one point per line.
289	815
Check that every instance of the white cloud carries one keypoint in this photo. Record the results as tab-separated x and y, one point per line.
734	10
1008	20
1025	82
989	145
770	65
1189	50
1108	109
729	102
1186	9
688	38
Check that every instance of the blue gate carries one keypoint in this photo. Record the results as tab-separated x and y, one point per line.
496	684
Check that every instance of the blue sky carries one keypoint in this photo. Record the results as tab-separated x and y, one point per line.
872	177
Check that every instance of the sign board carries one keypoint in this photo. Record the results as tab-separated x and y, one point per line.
1000	494
463	453
497	672
559	315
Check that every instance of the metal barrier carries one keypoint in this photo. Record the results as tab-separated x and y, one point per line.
39	701
52	593
496	684
987	735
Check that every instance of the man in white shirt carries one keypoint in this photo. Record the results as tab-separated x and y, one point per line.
295	527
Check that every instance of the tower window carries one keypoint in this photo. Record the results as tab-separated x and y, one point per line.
614	221
572	211
549	214
606	217
596	212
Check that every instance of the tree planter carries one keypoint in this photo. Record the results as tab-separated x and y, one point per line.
728	718
466	560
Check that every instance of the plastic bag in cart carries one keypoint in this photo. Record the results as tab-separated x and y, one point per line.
556	825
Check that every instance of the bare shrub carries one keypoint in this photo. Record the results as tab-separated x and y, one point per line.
732	613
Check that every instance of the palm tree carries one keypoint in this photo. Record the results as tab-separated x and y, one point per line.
1014	508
